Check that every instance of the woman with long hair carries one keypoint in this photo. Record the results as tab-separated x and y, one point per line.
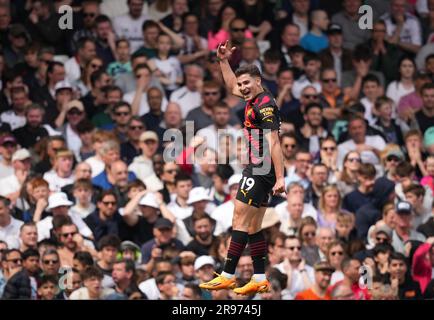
329	206
405	83
329	156
335	256
347	181
83	84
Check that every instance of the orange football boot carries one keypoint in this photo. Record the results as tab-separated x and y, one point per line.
253	287
219	283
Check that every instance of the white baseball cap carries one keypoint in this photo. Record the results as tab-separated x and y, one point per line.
149	200
63	84
21	154
235	179
198	194
203	261
58	199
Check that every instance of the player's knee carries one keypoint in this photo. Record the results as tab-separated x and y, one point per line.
239	221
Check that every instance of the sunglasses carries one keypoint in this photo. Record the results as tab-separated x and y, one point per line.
136	127
75	113
66	235
213	93
18	260
329	80
9	145
392	158
309	234
329	148
238	29
310	96
381	239
354	160
109	203
289	145
50	261
335	253
293	248
122	114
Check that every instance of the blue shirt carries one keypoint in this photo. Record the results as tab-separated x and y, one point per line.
314	43
102	181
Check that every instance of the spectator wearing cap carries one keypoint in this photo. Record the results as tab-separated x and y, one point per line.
204	267
315	40
28	135
16	116
404	230
323	273
348	19
425	116
18	39
8	146
58	205
407	288
391	158
142	165
163	239
336	56
223	214
62	174
23	284
9	226
11	185
140	215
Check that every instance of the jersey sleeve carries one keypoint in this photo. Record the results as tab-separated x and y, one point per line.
268	117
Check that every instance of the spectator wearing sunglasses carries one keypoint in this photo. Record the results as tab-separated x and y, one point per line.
90	10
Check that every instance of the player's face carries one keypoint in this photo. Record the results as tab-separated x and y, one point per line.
249	86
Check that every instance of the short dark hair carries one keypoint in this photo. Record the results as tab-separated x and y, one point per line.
404	169
182	176
120	104
107	193
110	240
129	265
312	105
6	202
84	126
311	56
30	253
416	189
195	288
397	256
96	75
149	24
159	279
370	78
427	86
272	56
101	19
249	69
81	43
46	278
142	66
367	170
224	171
84	258
362	52
91	272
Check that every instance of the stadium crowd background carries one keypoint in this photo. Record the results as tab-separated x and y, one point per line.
91	207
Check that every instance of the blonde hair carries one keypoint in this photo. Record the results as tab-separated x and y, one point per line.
328	188
383	154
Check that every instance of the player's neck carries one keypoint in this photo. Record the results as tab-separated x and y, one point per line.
258	93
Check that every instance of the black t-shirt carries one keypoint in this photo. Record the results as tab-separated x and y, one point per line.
27	137
139	233
427	229
409	290
424	121
198	248
354	200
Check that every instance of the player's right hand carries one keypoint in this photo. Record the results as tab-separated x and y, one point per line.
279	187
224	51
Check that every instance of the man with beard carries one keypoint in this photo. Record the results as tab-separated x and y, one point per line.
203	239
323	273
33	131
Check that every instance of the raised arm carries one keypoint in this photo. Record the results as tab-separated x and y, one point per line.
223	54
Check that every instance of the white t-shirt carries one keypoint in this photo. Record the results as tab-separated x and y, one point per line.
179	212
368	110
149	287
45	225
171	68
395	91
302	83
11	233
131	29
297	284
367	156
13	119
5	170
282	211
187	100
411	31
212	136
55	182
144	105
223	214
72	70
97	165
142	167
9	185
73	141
